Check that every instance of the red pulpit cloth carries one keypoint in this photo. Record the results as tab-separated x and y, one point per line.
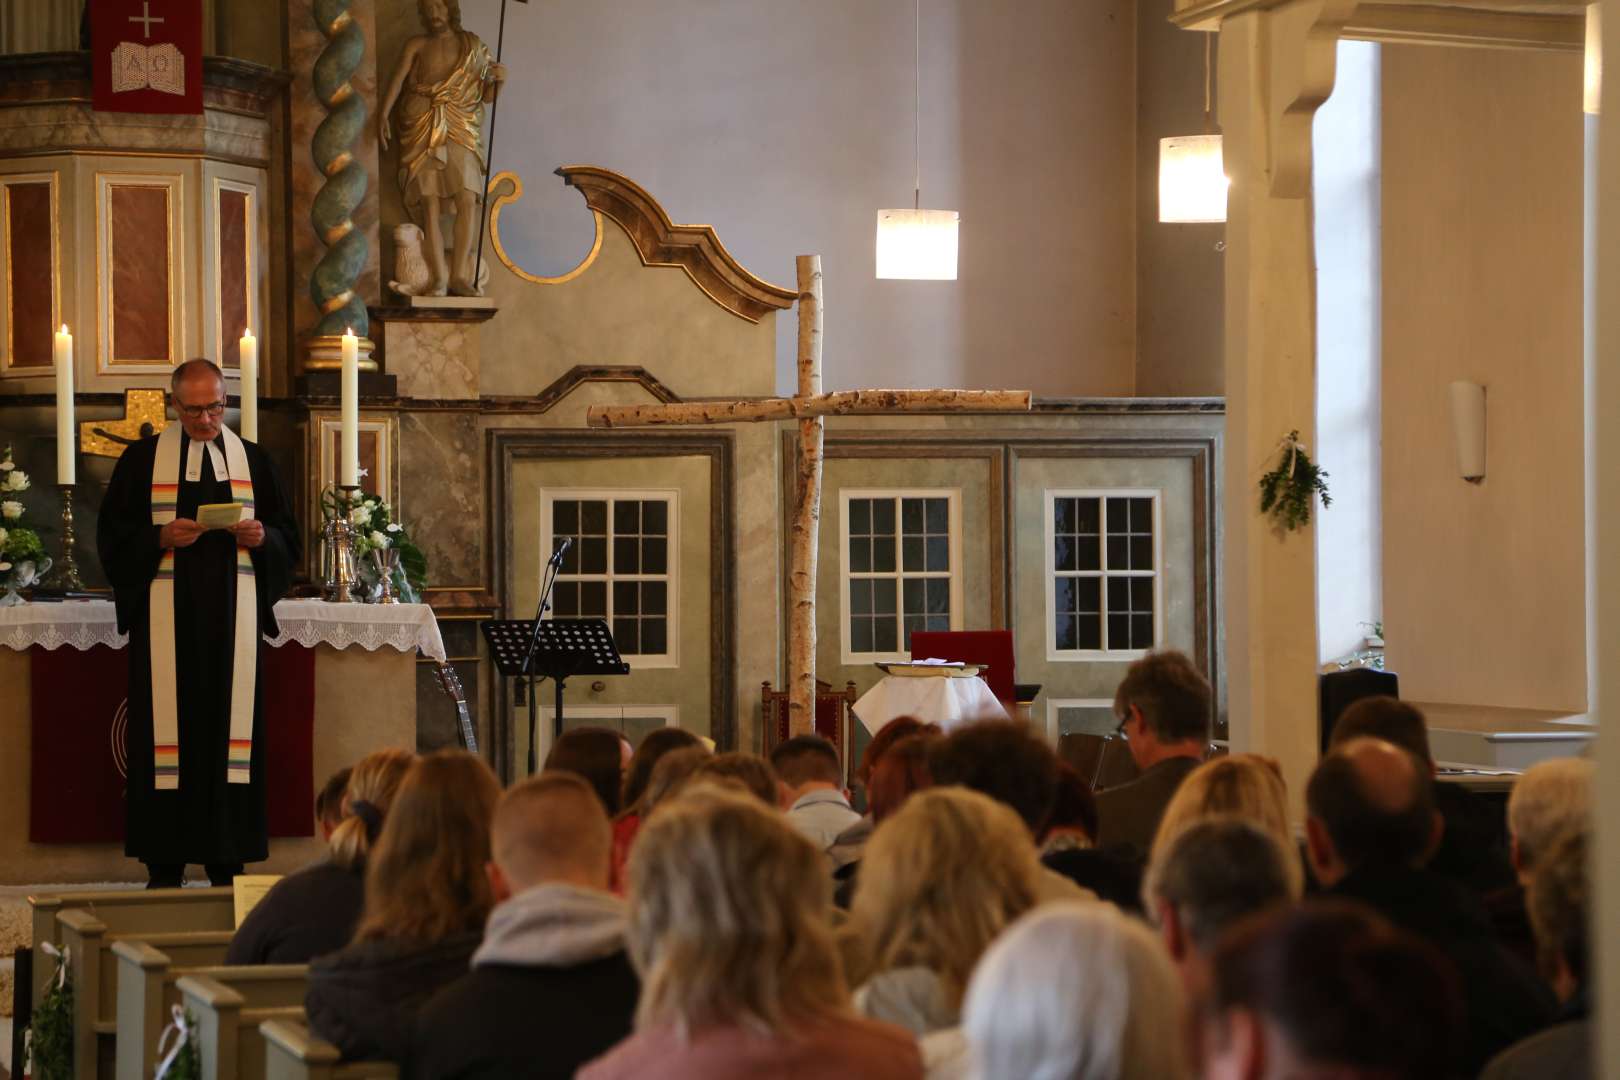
146	56
79	716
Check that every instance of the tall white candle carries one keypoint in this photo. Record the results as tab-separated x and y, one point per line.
350	442
250	386
65	456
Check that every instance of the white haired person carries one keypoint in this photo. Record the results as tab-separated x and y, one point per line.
1075	991
729	909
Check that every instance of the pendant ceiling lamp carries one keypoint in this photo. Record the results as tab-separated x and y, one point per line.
917	244
1594	57
1192	175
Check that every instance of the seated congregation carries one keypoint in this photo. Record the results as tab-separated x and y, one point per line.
667	911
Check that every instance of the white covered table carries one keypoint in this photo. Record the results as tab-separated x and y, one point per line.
945	700
364	698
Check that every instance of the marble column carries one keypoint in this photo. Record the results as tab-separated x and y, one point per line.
1276	68
305	43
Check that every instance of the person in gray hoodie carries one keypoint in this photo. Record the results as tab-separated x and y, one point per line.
551	987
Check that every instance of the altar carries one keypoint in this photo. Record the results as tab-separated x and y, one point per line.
339	682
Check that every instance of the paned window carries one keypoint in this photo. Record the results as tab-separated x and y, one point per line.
620	566
901	569
1102	574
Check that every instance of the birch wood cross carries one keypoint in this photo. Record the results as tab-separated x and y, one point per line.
809	406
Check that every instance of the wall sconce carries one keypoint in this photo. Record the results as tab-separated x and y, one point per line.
1468	427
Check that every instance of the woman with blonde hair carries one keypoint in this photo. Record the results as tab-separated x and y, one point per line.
427	896
940	879
739	973
1245	786
315	911
1075	991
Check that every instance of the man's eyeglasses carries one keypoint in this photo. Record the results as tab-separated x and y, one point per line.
196	412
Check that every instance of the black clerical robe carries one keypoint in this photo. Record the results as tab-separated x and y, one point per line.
207	820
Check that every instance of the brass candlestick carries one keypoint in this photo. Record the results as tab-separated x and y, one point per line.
66	576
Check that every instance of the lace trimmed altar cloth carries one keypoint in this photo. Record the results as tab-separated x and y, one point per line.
84	624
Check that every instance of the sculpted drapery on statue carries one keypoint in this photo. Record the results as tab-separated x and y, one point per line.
443	80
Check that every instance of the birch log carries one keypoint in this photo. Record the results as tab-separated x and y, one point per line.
805	406
806	511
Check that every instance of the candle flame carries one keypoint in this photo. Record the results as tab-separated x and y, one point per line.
64	329
348	331
246	332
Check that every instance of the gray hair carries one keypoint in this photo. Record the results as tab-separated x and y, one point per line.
1075	991
188	368
1551	798
1217	871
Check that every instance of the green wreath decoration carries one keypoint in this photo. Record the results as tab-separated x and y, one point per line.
1287	492
50	1033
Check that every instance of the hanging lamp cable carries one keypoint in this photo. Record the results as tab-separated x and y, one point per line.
916	111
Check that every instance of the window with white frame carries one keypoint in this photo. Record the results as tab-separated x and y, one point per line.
1102	574
901	569
620	567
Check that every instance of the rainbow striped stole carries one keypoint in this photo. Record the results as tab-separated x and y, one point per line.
160	596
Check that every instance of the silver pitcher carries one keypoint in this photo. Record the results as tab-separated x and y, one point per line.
338	570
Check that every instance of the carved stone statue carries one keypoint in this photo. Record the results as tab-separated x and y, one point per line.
443	80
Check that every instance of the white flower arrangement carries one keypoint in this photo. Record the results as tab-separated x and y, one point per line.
11	509
22	554
376	529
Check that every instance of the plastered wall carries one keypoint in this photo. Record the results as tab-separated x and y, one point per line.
1484	590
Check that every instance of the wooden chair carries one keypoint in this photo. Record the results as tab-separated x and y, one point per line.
228	1017
92	967
832	718
128	910
1101	762
148	988
292	1053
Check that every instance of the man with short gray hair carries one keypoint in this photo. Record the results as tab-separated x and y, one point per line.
1213	874
195	597
1552	798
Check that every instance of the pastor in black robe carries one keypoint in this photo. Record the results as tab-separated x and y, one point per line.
206	821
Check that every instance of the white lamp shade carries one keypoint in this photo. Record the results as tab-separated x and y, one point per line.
1192	179
917	244
1468	427
1594	58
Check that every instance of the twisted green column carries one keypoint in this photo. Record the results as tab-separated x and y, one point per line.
331	285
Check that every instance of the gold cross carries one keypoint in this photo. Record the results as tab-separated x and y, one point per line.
810	407
146	17
145	414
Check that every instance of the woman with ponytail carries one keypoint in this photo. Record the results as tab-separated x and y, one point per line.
315	911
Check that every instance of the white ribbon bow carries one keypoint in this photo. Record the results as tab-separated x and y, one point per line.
63	958
177	1027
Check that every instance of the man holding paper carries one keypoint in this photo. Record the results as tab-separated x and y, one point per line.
198	542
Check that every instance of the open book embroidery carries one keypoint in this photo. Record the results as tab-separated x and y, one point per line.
136	67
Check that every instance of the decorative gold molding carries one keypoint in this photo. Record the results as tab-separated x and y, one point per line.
499	204
1496	24
9	367
659	241
173	187
250	281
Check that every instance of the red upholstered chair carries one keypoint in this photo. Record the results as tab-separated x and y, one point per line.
992	650
832	718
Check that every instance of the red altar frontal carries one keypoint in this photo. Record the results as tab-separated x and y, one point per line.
338	683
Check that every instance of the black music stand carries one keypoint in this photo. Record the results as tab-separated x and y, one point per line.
561	649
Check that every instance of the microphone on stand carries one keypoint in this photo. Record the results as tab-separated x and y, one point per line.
556	556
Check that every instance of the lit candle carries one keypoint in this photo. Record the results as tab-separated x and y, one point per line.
350	442
65	456
250	386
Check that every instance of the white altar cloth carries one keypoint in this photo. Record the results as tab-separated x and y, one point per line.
83	624
936	699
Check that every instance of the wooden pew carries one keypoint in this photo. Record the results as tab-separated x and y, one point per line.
153	910
148	977
292	1053
230	1046
94	972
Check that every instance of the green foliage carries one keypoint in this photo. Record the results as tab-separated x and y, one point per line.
187	1063
1287	492
375	527
50	1036
23	543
